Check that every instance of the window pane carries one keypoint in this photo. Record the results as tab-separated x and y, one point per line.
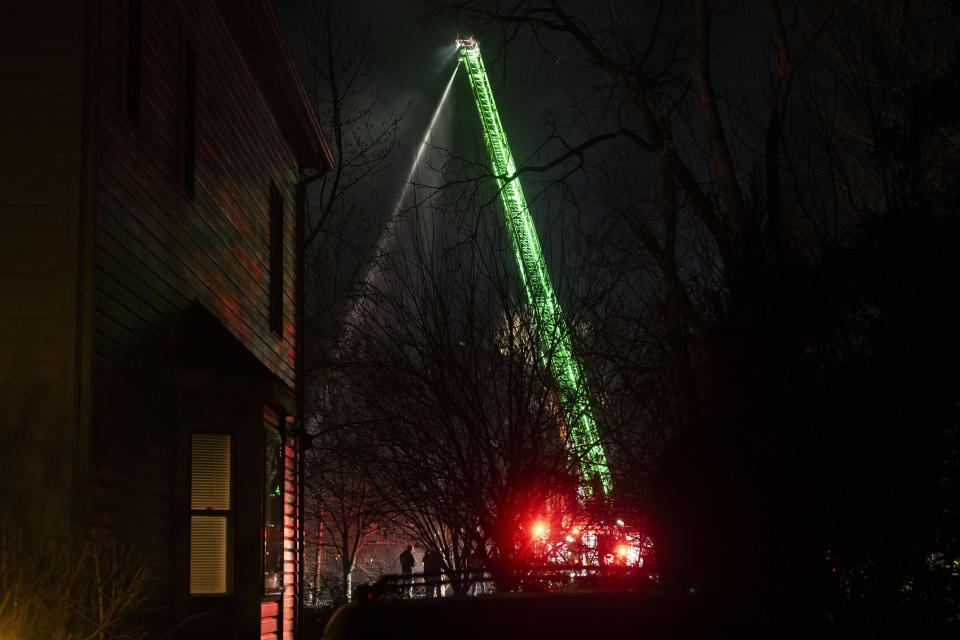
210	472
273	515
188	118
276	260
132	35
208	554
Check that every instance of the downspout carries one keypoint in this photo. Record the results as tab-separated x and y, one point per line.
304	441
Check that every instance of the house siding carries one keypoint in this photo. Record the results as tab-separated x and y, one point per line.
161	249
211	247
134	311
158	248
291	542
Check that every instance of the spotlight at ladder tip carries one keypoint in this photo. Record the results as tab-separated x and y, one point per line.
469	43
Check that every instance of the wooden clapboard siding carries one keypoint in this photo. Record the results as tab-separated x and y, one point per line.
269	612
160	249
291	542
42	254
270	606
213	247
278	621
131	310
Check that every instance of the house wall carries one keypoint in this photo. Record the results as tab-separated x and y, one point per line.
292	512
108	269
278	615
158	247
160	250
238	614
43	257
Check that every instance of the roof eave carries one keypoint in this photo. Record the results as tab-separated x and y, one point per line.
254	27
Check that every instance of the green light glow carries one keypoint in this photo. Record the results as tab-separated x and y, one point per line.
533	270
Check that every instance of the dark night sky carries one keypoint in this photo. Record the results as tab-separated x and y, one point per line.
412	59
412	56
411	63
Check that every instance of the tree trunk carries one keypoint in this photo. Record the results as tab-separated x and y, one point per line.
319	558
347	582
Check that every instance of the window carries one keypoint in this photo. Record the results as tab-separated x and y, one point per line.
273	506
132	44
276	260
188	118
210	513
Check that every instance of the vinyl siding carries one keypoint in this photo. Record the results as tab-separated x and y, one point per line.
160	249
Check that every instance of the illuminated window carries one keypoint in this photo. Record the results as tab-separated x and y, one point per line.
276	260
210	513
273	507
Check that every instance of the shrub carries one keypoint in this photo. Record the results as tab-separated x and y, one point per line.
68	585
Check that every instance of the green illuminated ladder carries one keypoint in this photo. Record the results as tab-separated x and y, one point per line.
553	330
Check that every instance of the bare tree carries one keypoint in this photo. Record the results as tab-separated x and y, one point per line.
742	226
343	498
447	371
701	321
737	215
878	189
345	95
69	584
341	208
343	205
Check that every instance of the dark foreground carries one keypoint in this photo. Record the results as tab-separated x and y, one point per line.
580	615
601	615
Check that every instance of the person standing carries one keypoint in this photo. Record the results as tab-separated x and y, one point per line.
406	571
433	572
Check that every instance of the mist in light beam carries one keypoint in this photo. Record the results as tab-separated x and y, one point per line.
388	235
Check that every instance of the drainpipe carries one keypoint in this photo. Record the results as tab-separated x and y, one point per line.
304	442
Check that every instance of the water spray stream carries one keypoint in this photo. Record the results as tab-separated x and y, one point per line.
388	234
388	230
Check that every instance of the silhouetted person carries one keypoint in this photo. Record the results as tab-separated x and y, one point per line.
406	571
432	572
478	578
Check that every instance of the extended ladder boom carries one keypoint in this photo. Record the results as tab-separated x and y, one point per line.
554	334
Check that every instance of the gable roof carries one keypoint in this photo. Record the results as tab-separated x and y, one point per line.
254	27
